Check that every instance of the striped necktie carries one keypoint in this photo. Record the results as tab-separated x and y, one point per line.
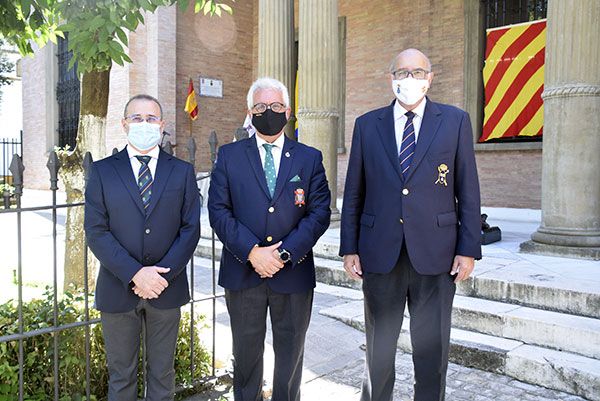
269	168
407	149
145	180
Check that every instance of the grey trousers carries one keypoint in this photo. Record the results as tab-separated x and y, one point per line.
430	307
290	316
121	332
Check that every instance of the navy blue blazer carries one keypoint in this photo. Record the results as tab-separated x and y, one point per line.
381	210
243	213
124	238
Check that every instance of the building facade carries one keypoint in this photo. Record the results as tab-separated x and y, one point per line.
174	46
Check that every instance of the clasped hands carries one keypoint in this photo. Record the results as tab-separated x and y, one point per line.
149	283
265	260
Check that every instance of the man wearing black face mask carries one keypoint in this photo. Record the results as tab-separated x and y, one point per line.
269	204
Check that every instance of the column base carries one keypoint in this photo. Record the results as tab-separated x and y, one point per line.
336	218
578	252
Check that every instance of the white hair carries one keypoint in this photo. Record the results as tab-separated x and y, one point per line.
268	83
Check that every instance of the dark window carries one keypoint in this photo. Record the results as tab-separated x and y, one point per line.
507	12
67	96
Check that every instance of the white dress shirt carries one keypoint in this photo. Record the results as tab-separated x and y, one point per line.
135	163
275	150
400	121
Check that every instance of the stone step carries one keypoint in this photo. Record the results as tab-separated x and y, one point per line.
554	369
555	330
558	331
488	282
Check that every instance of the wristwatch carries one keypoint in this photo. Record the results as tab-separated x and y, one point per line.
284	255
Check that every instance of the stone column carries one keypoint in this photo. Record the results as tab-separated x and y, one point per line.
276	46
318	70
571	166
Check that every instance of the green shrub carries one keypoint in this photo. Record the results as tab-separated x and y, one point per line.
38	362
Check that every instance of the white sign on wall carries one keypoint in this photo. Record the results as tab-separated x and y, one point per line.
211	87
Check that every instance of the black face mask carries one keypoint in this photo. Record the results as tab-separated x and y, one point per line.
269	123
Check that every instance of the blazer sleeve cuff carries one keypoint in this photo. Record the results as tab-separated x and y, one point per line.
127	275
472	251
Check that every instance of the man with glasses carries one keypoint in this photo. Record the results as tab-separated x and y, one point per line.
269	204
142	221
410	225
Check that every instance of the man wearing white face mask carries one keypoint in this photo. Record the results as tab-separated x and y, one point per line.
410	225
142	222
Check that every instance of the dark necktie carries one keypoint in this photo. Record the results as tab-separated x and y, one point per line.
145	180
407	149
269	168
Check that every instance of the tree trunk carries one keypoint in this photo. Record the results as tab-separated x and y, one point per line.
91	137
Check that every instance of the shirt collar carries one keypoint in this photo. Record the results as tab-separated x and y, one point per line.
131	152
400	111
278	142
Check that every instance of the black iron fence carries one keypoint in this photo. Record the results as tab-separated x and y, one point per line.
8	148
20	335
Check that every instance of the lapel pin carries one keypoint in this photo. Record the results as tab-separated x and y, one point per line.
287	154
442	173
299	197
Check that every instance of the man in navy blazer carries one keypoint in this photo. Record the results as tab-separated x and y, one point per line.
410	225
142	222
269	204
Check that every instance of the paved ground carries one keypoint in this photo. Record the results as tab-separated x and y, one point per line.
334	360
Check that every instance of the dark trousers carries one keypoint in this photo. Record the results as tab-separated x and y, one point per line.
290	316
430	307
121	332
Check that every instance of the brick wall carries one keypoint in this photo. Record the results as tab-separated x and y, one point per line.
377	31
220	48
39	115
510	178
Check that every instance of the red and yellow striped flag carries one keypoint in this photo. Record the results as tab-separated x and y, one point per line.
513	77
191	107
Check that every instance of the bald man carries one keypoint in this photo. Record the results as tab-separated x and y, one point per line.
410	225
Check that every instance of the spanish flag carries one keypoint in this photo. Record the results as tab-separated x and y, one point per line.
191	107
513	77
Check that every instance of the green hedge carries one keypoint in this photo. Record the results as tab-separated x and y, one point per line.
39	359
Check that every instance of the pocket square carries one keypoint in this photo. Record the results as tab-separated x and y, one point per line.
295	178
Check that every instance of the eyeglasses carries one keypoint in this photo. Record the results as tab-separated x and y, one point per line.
276	107
138	118
419	73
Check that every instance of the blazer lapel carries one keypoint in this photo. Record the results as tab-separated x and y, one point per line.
284	167
387	134
164	166
123	167
254	159
429	128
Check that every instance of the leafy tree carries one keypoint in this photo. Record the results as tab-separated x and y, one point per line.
98	37
5	66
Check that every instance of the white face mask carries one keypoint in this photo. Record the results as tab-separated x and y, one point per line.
144	136
409	90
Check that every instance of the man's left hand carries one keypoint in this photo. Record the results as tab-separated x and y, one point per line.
462	267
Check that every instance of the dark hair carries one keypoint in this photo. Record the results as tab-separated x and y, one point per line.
143	96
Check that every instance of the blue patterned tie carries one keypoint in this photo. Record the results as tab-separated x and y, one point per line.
145	180
407	149
269	168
